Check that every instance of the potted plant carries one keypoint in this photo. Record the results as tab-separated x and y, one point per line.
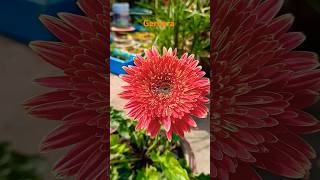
18	166
134	155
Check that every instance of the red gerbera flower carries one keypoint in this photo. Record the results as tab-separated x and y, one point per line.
260	87
165	90
80	98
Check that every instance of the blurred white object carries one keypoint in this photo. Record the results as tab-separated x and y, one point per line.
121	16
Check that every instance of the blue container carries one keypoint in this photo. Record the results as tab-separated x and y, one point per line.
116	64
140	28
19	19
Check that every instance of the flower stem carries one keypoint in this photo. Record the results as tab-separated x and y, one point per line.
155	142
124	160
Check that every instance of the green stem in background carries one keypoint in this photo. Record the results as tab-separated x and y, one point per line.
155	142
155	40
124	160
155	5
196	34
194	40
191	20
176	37
176	25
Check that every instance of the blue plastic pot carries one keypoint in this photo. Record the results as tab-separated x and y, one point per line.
19	19
116	64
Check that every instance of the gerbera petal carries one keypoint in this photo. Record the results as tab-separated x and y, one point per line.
62	136
190	121
81	23
77	155
169	135
153	128
56	53
268	9
259	87
62	31
80	98
200	111
167	123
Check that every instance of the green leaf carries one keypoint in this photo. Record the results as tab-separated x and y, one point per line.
170	166
114	124
114	139
15	165
122	171
175	138
201	177
149	173
130	158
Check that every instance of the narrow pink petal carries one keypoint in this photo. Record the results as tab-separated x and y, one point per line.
167	123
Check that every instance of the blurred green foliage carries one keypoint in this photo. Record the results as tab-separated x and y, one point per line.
135	156
18	166
190	32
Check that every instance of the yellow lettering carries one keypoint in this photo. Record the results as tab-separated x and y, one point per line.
157	23
146	23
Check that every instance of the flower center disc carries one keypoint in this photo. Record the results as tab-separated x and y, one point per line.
163	88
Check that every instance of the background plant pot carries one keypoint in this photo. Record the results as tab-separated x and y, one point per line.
116	64
135	154
19	18
188	154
